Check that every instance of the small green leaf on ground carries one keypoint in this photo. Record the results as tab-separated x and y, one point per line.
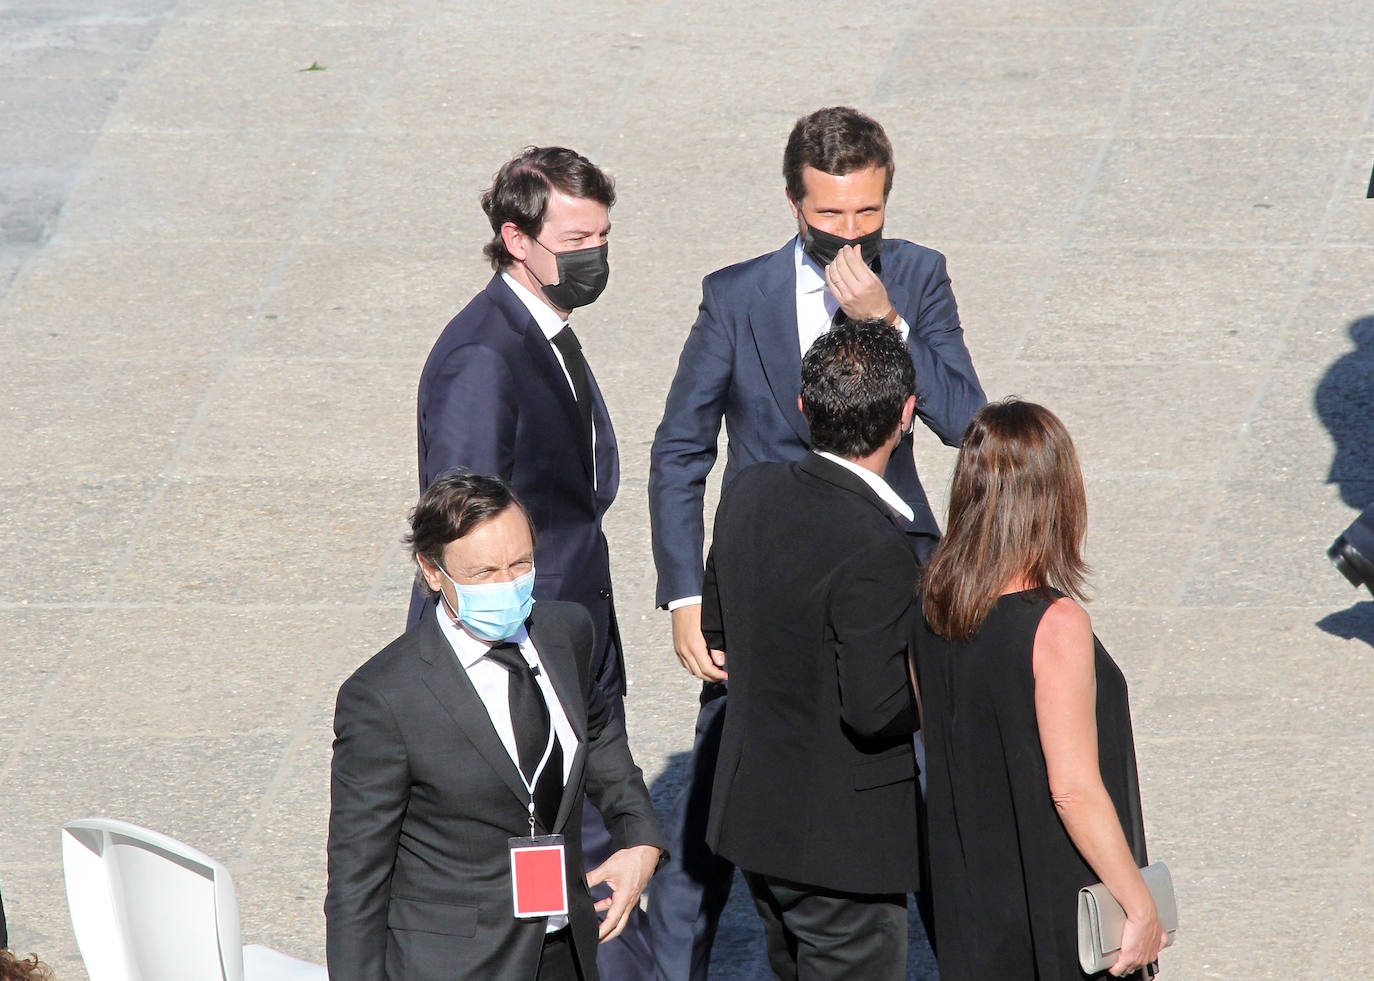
315	66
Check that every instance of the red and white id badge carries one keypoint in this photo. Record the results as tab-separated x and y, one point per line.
538	876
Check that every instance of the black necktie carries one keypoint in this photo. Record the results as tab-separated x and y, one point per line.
529	717
566	342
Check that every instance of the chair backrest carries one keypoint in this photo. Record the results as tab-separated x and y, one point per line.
146	907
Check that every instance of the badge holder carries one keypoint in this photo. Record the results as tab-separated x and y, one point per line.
538	863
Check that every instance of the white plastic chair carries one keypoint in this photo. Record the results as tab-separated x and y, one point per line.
146	907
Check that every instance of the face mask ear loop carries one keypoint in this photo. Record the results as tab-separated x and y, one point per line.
542	284
452	612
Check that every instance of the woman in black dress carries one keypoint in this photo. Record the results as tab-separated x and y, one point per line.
1032	790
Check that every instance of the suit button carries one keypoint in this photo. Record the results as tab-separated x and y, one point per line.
604	593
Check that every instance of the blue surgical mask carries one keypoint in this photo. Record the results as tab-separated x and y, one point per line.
493	611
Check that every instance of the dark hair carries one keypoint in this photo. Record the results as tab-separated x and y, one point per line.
15	968
837	140
452	506
854	382
519	192
1016	507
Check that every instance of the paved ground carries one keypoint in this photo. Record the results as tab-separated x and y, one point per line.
1155	222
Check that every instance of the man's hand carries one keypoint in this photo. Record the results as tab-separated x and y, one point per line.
627	872
691	645
860	292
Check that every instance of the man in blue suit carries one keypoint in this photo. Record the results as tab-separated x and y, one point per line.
742	362
506	391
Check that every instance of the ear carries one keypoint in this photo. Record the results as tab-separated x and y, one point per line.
433	576
801	408
796	208
908	414
515	241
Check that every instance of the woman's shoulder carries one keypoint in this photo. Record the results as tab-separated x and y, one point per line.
1064	636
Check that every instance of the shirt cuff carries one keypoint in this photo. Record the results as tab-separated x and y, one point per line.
902	328
678	604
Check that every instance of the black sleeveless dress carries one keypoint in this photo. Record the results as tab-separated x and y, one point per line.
1005	873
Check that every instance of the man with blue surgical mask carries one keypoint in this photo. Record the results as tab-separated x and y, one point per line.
464	749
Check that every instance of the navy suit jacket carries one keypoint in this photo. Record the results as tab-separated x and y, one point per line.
493	398
742	360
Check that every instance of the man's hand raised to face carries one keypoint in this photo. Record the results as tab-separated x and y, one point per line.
861	294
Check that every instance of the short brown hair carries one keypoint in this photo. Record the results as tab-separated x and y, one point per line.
836	140
519	192
1016	507
452	506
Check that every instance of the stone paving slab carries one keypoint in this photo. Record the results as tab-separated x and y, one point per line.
226	274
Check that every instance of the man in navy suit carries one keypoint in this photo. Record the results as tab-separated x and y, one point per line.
506	391
742	362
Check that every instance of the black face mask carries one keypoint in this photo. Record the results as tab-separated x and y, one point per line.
822	247
582	275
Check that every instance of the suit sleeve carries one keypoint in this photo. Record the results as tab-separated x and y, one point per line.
614	782
684	451
872	606
369	790
473	383
948	392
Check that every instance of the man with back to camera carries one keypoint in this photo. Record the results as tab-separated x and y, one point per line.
479	726
506	390
810	608
742	362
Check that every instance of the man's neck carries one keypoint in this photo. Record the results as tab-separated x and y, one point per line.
875	462
521	274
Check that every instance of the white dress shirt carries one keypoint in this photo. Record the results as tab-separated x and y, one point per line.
492	682
550	323
816	307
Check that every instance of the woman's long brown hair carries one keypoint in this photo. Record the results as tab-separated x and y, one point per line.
1016	507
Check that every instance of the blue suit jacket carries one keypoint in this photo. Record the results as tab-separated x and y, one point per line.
742	361
493	398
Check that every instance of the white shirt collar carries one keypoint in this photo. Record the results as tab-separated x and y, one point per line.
549	322
810	277
876	483
468	648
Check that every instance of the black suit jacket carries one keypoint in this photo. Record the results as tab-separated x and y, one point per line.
493	398
424	797
809	591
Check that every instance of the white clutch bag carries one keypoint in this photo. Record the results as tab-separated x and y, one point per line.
1101	919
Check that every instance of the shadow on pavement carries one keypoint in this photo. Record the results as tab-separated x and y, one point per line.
1345	404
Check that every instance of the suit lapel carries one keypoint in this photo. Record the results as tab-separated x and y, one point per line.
449	683
560	661
773	322
897	296
545	364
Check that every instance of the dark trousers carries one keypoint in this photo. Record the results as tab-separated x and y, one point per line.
629	957
558	962
688	894
817	934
